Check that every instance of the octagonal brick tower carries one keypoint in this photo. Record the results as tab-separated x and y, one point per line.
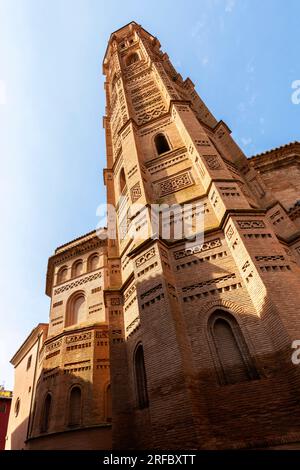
200	337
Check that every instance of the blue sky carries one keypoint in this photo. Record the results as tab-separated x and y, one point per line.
242	55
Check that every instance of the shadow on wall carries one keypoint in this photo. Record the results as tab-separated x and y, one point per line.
69	413
218	374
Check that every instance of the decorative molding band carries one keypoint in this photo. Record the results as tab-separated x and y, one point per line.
145	257
175	183
217	280
249	224
77	283
216	291
80	337
209	245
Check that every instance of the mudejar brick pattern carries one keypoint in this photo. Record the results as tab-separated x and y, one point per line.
153	343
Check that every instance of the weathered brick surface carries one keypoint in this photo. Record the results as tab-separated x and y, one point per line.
169	295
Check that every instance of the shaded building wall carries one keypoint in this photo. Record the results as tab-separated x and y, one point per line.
25	364
169	295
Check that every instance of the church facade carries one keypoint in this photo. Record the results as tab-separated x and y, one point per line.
158	341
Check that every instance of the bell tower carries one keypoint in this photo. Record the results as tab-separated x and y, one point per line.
200	332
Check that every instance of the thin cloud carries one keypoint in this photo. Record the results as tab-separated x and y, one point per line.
230	4
3	95
246	141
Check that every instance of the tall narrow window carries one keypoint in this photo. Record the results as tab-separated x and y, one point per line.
93	262
76	310
29	362
132	58
114	81
108	404
75	407
77	268
161	144
62	274
46	412
232	353
140	378
122	180
17	406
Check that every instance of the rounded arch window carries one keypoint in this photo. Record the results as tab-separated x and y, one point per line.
161	144
17	406
231	352
76	310
122	180
74	417
29	360
132	58
93	262
62	274
77	268
45	417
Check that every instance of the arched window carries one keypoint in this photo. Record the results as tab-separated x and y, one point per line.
114	81
62	274
75	407
161	144
17	406
29	362
122	180
76	310
233	357
93	262
140	378
77	268
108	404
46	411
132	58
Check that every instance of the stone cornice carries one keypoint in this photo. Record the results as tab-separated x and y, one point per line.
278	157
77	330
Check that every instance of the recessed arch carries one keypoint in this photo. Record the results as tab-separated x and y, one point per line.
77	268
140	377
76	309
114	81
93	262
75	406
46	413
132	58
231	353
17	406
161	143
62	274
122	180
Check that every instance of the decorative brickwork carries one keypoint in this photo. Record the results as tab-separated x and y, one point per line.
176	183
194	337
